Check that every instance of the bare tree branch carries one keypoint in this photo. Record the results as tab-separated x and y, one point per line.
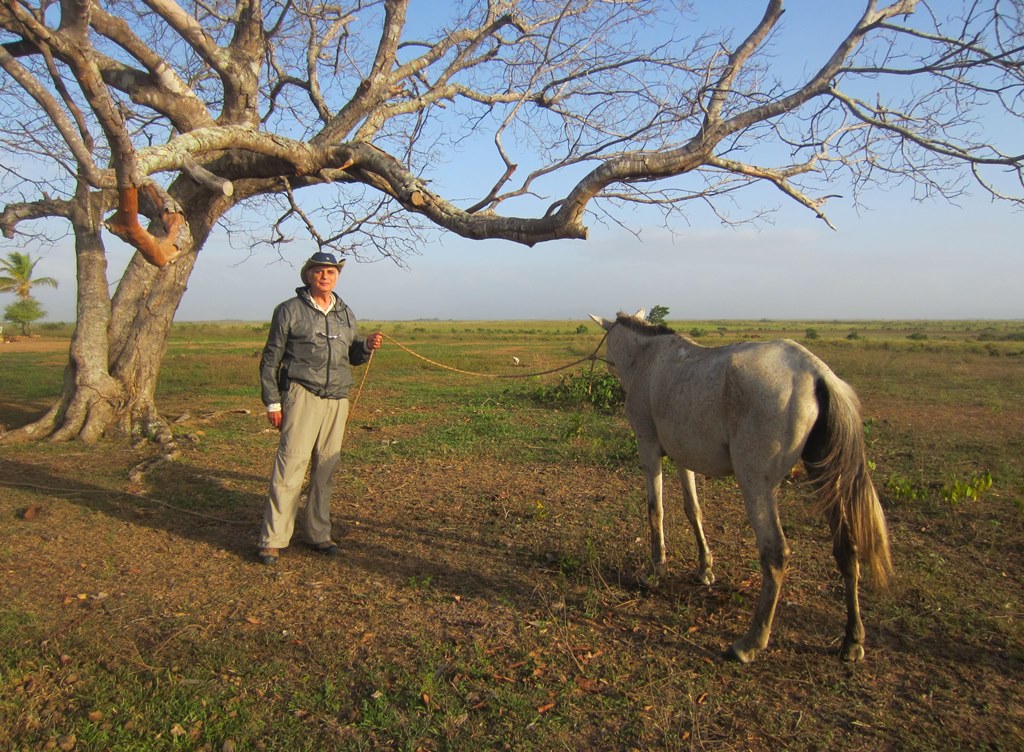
573	82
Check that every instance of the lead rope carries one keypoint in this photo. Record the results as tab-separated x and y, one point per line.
359	391
593	357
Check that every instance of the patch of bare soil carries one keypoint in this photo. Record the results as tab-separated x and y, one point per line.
13	344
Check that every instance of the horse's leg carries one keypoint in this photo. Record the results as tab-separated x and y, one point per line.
846	559
762	509
693	514
650	458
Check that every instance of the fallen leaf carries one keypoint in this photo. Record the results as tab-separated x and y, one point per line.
547	706
589	685
30	512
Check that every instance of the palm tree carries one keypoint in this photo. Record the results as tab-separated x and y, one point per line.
17	275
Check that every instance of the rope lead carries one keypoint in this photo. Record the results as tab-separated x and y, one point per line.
593	357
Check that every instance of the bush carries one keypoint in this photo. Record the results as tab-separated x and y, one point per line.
598	389
957	489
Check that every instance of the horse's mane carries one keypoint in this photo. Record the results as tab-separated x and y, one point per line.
642	327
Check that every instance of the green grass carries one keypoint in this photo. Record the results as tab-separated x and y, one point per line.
33	376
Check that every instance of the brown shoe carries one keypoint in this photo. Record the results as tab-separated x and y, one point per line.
269	555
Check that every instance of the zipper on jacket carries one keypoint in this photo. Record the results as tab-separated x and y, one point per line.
327	328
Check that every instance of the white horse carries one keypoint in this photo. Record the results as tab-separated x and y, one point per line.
751	410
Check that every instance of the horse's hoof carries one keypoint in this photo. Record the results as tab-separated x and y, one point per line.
650	581
851	652
707	577
732	653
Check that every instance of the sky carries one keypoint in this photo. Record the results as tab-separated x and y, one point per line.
903	261
896	259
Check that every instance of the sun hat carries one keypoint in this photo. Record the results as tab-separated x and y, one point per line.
321	258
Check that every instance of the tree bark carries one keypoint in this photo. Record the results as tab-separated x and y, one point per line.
118	345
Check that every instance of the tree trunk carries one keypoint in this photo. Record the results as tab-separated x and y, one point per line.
118	344
142	315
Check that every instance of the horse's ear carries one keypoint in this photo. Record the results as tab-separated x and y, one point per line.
603	323
641	314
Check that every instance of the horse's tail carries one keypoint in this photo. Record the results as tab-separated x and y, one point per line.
836	461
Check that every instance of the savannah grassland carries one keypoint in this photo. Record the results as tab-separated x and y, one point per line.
493	531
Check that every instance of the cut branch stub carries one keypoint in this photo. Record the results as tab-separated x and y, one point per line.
125	225
206	178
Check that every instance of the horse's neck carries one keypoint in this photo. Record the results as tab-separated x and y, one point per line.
645	350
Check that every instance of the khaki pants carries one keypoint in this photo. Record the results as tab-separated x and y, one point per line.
313	429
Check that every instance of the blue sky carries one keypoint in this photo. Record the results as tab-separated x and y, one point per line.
903	261
897	259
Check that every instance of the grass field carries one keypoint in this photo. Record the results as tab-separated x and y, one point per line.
493	531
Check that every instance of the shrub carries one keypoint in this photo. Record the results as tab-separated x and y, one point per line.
904	489
599	389
958	490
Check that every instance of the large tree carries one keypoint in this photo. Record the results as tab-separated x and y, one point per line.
337	121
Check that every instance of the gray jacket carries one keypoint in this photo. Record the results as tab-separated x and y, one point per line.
311	348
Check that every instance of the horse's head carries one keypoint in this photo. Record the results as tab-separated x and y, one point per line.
623	340
608	325
636	322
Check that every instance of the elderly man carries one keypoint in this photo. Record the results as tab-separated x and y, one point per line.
305	375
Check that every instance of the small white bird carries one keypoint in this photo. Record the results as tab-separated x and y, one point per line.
515	360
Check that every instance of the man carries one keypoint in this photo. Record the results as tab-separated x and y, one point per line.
305	375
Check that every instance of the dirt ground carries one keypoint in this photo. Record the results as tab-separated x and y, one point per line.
19	343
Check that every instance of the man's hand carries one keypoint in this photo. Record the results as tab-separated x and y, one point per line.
375	340
275	417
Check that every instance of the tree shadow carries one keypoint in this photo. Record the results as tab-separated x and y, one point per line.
16	414
448	559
